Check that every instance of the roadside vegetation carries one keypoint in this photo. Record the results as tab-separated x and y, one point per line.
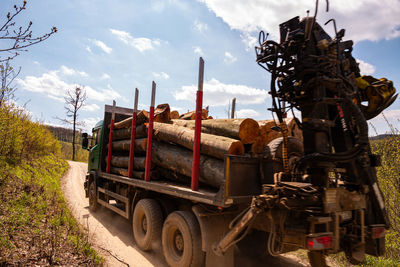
36	227
389	181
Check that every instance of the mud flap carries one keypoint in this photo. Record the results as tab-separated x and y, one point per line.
213	228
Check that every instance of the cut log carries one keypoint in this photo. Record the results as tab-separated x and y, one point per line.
179	159
268	134
139	163
174	115
141	118
212	145
124	145
135	174
191	115
125	133
162	113
246	130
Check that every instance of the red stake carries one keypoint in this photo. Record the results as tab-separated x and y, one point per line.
110	139
133	132
197	129
150	134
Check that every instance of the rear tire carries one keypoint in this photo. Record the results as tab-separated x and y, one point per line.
93	204
181	240
147	223
317	259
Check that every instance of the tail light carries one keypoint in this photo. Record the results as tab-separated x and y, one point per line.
320	242
378	231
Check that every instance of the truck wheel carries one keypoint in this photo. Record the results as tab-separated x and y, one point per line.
93	205
317	259
181	240
147	223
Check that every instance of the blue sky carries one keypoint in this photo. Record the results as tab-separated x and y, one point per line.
111	47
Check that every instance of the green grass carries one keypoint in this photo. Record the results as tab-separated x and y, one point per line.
81	155
36	226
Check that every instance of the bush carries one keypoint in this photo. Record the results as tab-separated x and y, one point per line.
21	139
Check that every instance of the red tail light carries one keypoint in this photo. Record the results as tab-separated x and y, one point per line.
319	242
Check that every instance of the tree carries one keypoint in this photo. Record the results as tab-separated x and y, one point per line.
17	39
13	40
74	100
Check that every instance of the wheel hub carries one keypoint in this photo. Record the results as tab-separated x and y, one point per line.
179	242
144	224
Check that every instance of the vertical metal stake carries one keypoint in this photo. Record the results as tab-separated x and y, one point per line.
150	133
133	133
110	137
197	130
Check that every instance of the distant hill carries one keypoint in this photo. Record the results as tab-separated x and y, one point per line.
61	133
381	136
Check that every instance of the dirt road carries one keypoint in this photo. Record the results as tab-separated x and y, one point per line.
111	235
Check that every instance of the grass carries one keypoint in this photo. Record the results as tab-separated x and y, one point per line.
81	155
36	226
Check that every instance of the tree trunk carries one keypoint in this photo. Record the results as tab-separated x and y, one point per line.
139	163
191	115
268	134
162	113
124	145
141	118
125	133
174	115
178	159
246	130
73	135
135	174
212	145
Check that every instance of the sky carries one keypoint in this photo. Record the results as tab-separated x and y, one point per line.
112	47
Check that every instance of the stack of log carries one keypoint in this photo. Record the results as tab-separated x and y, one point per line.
173	144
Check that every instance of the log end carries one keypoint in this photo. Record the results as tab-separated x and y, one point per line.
249	131
236	148
174	115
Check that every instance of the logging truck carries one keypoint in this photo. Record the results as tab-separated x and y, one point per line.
213	189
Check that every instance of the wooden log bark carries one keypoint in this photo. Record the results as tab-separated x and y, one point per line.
139	163
246	130
191	115
124	145
135	174
125	133
162	113
212	145
268	134
141	118
174	115
179	159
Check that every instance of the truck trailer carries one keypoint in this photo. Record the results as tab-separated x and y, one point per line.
319	194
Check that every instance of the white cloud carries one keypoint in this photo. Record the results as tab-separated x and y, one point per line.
36	62
141	43
67	71
229	58
102	46
161	75
89	49
51	85
363	20
197	50
219	94
91	107
246	113
105	76
89	123
201	27
365	67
